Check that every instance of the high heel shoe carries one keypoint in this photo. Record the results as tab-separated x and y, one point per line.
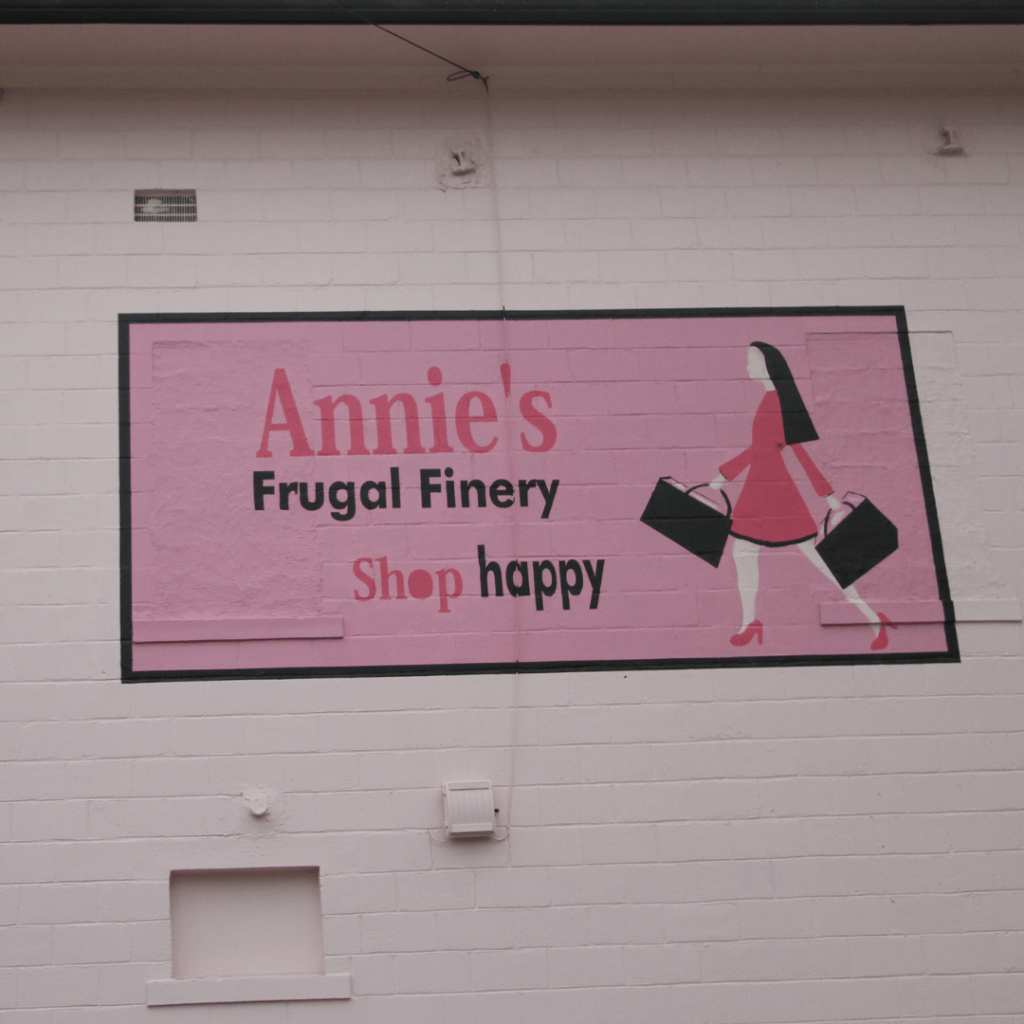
742	639
882	640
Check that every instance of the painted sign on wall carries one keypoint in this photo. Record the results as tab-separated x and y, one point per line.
397	493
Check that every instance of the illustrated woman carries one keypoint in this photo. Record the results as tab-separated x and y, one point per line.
770	512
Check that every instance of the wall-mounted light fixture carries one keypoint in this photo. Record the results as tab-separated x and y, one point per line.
951	145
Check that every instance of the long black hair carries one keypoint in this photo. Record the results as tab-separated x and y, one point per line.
796	420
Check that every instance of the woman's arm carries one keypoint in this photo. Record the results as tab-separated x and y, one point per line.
821	486
732	469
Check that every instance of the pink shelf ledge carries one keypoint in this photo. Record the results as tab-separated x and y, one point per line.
164	631
967	610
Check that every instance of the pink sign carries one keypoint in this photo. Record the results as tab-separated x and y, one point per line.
435	493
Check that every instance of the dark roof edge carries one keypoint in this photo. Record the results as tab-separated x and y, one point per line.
516	12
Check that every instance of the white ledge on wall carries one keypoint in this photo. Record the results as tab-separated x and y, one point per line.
967	610
988	610
283	988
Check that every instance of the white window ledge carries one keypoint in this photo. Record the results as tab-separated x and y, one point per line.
185	991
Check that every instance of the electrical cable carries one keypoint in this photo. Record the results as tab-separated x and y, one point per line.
516	535
460	73
455	76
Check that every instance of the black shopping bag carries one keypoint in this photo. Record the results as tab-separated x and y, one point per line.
858	542
689	521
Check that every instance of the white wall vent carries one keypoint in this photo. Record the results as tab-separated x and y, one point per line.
165	204
468	809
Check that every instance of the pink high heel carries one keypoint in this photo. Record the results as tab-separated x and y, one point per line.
882	640
756	628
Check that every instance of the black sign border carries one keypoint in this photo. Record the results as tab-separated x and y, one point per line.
129	675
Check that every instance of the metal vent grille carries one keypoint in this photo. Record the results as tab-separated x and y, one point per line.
165	204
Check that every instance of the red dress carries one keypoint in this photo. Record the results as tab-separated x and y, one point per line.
770	509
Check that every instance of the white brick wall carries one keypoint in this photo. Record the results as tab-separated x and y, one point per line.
816	844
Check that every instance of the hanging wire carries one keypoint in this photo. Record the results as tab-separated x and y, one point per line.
455	76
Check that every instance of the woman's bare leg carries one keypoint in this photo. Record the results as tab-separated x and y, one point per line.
850	593
748	576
